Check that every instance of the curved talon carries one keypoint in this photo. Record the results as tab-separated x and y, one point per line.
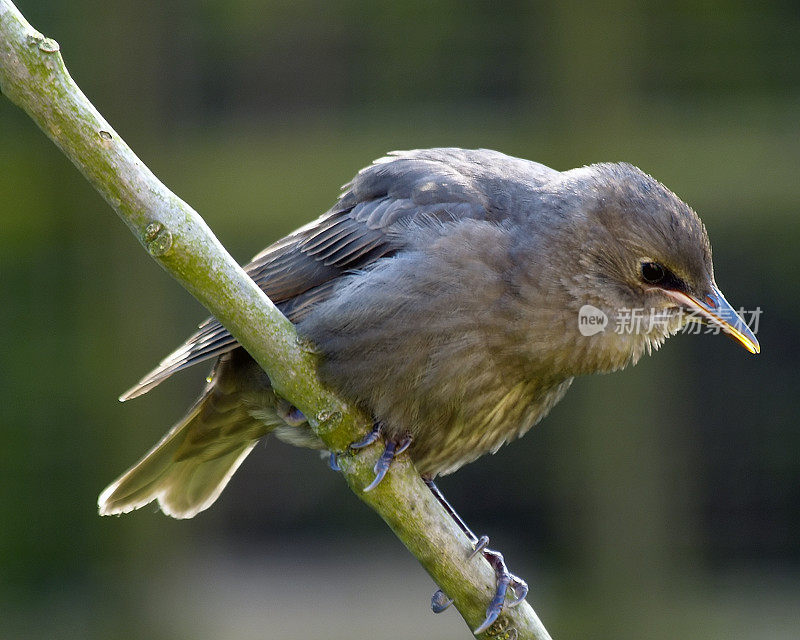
440	601
368	439
495	607
381	467
404	444
479	545
520	588
505	579
333	461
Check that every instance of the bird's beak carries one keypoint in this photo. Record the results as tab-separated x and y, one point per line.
716	310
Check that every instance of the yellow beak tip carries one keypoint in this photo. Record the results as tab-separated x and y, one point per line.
751	345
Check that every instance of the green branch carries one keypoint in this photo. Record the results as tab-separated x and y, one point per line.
33	76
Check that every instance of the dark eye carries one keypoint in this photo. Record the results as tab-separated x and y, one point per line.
653	273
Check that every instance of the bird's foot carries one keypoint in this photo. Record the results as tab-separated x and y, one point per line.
392	449
372	436
440	601
505	580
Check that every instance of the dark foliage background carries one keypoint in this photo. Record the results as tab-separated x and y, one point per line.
656	503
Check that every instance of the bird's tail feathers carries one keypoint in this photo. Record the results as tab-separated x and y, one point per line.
188	469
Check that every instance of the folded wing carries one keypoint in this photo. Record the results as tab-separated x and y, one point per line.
365	225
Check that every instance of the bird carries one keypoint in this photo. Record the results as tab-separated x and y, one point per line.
453	295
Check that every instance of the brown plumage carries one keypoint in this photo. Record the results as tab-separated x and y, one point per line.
443	292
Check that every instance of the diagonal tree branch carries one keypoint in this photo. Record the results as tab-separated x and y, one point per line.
33	76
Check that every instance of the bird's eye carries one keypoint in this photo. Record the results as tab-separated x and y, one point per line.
653	273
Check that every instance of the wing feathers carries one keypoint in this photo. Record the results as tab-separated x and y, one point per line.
367	223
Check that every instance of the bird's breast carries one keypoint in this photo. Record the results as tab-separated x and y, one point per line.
482	424
436	343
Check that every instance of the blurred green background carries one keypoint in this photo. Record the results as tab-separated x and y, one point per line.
660	502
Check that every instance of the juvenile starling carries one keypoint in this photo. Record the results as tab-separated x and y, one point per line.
453	295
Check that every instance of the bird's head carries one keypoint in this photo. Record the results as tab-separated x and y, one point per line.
644	261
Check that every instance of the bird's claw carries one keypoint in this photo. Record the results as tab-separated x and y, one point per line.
391	450
505	580
479	545
372	436
520	589
368	439
440	601
333	461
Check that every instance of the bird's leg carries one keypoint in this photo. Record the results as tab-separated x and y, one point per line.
505	579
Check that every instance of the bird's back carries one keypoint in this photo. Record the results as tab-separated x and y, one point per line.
380	213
